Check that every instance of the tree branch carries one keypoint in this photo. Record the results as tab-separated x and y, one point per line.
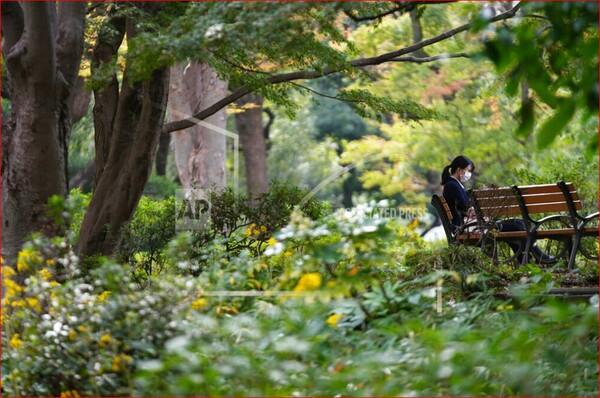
313	74
401	7
419	60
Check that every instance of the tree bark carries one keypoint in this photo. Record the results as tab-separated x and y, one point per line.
249	125
81	99
200	152
106	98
35	138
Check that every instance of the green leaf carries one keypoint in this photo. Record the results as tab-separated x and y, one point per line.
553	126
527	119
513	82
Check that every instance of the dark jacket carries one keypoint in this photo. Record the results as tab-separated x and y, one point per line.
457	200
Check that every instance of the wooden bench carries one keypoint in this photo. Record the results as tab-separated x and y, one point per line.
494	205
558	223
558	228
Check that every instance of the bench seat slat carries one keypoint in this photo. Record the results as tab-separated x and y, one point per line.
590	230
554	232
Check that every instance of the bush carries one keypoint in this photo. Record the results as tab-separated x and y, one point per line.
333	306
233	227
101	335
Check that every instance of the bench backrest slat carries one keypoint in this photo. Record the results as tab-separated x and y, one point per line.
542	188
443	210
495	202
547	198
499	211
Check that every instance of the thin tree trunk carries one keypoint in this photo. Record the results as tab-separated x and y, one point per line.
162	154
249	125
200	151
42	69
106	98
128	165
129	124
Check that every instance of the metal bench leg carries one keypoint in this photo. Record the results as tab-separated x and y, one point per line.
574	249
525	253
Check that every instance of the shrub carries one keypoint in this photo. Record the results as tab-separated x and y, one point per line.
332	307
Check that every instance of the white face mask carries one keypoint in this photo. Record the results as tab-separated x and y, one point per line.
466	176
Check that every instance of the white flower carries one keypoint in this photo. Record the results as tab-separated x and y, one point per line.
57	327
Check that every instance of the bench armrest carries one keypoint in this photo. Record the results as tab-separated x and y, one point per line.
590	217
556	217
461	229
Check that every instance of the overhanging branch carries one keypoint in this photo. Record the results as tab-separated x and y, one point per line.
421	60
313	74
399	8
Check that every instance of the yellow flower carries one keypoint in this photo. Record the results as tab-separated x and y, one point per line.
72	335
105	340
200	304
250	229
7	272
69	394
45	274
15	341
120	362
414	224
18	303
310	281
263	229
50	262
22	265
103	296
34	303
334	319
11	288
272	241
82	329
26	258
287	253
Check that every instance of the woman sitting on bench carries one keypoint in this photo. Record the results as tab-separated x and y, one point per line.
453	176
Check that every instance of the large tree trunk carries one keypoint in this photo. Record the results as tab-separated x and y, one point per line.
200	151
249	125
130	130
42	49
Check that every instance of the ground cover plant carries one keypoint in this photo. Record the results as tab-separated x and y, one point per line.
335	305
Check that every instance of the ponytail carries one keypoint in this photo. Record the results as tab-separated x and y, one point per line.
446	174
459	162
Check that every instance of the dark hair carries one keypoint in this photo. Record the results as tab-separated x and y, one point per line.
459	162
